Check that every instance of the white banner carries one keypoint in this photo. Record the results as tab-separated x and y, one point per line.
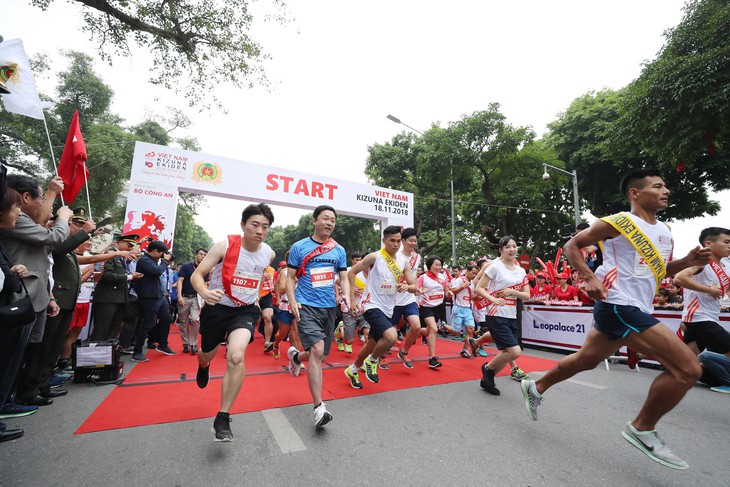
23	97
219	176
151	211
566	328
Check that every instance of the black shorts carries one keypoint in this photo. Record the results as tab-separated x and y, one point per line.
436	312
378	322
708	335
216	322
266	302
504	331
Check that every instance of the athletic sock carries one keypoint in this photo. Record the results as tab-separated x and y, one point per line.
353	369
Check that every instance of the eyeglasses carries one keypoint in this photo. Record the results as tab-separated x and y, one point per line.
43	199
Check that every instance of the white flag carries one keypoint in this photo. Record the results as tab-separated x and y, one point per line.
23	97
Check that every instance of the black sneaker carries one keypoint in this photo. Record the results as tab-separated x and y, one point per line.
151	345
434	363
138	357
203	376
127	351
424	340
487	382
186	348
222	427
165	349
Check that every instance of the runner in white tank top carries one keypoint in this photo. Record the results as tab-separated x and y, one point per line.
705	287
388	274
231	305
406	305
624	288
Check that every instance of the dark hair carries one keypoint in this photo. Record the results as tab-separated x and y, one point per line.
322	208
391	230
260	209
711	234
199	249
431	260
11	198
663	292
24	184
356	255
407	233
635	177
582	226
480	262
504	241
471	267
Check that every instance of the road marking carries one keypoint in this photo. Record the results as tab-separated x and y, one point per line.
574	381
287	439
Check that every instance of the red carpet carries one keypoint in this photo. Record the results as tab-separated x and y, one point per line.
163	390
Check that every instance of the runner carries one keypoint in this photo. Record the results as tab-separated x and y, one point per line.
636	252
231	305
388	273
314	261
352	323
705	286
285	319
406	305
462	318
432	288
502	283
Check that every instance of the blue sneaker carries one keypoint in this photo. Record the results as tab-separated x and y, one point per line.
722	389
12	409
482	352
55	382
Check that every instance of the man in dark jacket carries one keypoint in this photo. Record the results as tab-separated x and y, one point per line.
153	305
112	292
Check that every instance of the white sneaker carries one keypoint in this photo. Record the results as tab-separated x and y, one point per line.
293	367
321	416
654	447
532	397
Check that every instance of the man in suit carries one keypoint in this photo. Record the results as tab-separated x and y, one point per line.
153	305
112	291
28	243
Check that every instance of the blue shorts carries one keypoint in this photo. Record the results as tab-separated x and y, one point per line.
504	331
410	309
284	317
379	323
461	316
618	320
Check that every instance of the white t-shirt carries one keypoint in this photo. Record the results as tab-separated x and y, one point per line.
249	272
414	260
700	306
500	277
463	297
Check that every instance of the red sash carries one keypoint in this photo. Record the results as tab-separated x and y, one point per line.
721	275
328	245
482	303
228	268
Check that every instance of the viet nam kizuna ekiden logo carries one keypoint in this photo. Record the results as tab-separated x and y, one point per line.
207	172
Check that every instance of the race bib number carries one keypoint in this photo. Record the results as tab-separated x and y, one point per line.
435	297
323	277
386	287
641	268
245	286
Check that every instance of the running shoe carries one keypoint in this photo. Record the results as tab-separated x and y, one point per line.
465	353
268	346
165	349
532	397
203	376
275	352
434	363
321	416
424	341
138	357
518	374
383	363
371	370
340	345
721	389
222	427
474	346
127	351
406	359
12	409
338	330
654	447
354	378
487	381
482	352
348	347
293	366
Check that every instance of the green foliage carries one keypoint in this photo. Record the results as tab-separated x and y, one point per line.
196	45
189	236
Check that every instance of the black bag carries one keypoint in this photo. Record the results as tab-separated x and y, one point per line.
18	313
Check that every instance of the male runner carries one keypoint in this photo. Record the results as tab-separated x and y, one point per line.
351	323
388	274
231	304
705	286
636	251
310	287
405	302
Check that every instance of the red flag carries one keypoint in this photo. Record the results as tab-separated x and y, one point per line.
72	167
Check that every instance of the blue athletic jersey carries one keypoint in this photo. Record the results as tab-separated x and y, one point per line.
316	287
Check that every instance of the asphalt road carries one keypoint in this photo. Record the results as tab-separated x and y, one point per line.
449	435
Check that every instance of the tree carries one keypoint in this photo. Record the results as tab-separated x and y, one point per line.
195	45
189	236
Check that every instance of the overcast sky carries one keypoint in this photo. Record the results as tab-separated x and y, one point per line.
339	68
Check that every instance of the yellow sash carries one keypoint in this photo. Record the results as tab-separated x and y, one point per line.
392	265
643	245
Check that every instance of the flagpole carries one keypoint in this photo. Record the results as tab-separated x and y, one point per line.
53	157
86	184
